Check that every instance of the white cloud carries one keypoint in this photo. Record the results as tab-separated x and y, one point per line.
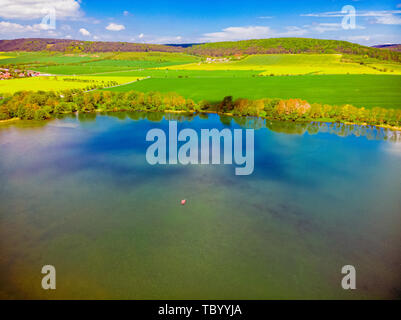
327	27
238	33
84	32
35	9
95	38
252	32
358	38
380	16
389	19
334	14
115	27
66	27
162	39
292	31
141	36
10	27
323	27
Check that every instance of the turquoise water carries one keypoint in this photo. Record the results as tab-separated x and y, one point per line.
78	194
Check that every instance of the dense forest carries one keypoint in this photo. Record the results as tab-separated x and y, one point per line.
291	45
77	46
44	105
228	48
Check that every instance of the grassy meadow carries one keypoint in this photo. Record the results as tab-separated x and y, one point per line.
55	83
296	64
77	64
335	79
319	64
359	90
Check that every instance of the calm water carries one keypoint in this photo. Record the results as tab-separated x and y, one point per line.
77	193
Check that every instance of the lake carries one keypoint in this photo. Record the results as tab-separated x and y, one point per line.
77	193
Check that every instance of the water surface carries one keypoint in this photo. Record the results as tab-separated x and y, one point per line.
77	193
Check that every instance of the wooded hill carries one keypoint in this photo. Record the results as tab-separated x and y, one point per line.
227	48
394	47
291	45
77	46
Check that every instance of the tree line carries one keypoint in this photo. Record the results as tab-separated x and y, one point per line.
226	48
28	105
291	46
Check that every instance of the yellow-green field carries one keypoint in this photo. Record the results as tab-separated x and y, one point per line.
322	78
4	56
58	83
294	64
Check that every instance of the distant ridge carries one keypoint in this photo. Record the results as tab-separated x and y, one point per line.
395	47
183	45
66	45
260	46
292	46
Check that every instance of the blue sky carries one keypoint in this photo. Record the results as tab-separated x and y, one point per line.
156	21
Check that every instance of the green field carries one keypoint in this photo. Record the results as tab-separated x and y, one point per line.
58	83
37	58
172	73
103	66
71	64
323	78
359	90
295	64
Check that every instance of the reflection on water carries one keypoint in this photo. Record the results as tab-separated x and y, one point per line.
288	127
77	193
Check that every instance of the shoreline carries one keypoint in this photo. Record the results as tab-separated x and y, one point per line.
297	121
9	120
392	128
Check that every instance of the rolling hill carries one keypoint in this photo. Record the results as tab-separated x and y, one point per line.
293	46
227	48
76	46
394	47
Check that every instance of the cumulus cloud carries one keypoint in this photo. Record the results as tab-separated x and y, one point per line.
115	27
238	33
35	9
84	32
10	27
253	32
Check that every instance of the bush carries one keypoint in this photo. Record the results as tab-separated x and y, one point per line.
41	114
